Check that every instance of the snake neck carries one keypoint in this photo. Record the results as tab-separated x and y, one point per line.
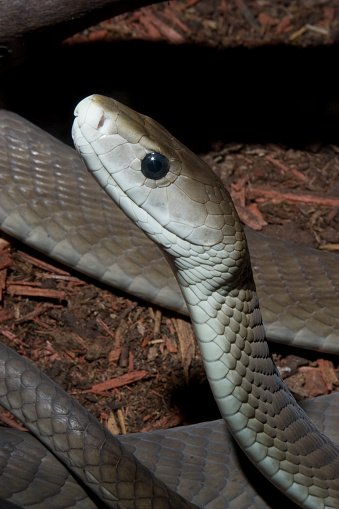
257	406
189	214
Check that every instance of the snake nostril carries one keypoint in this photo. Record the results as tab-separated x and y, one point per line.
101	121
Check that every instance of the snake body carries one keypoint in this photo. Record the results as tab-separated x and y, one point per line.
40	178
23	211
183	207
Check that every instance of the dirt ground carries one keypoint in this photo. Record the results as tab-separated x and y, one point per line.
137	367
221	23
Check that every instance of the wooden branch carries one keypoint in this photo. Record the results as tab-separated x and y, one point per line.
24	24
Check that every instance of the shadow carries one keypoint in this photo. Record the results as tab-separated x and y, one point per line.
195	399
272	94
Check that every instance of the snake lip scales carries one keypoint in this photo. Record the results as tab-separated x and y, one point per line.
180	204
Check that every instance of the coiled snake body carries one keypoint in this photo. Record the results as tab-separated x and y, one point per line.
183	207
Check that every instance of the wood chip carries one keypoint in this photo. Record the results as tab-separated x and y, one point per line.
314	382
24	257
5	257
39	309
328	373
112	424
121	420
186	343
3	276
8	419
113	383
32	291
278	196
166	422
157	322
329	247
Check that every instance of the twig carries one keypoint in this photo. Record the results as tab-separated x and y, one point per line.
265	193
39	309
39	263
285	169
128	378
32	291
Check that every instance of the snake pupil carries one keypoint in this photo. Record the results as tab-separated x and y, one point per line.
154	166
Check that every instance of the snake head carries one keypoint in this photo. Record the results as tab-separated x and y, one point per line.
169	192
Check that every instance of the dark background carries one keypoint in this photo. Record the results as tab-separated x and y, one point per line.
277	94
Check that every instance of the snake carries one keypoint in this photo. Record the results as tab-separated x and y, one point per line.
184	208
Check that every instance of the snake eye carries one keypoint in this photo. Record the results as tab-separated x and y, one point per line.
154	166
